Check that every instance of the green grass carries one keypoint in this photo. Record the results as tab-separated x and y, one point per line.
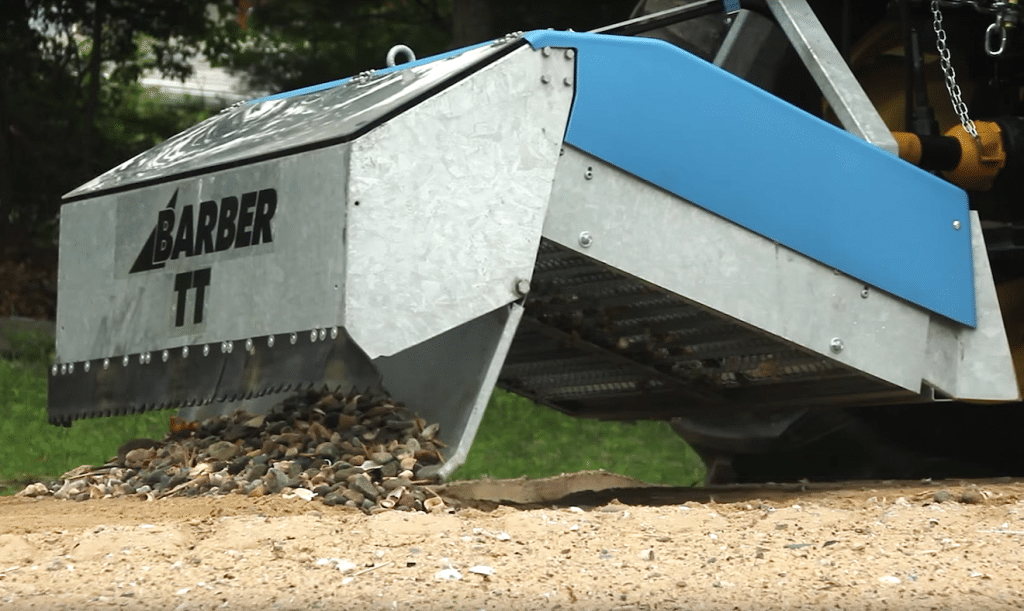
30	448
518	437
515	438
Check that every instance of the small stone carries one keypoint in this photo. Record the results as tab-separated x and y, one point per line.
382	458
942	496
328	450
357	460
257	471
428	472
139	457
366	487
971	496
353	495
223	450
408	463
334	498
275	480
389	470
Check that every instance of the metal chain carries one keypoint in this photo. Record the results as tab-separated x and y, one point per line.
947	69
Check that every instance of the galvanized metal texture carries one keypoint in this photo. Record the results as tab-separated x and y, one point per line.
287	125
447	201
835	79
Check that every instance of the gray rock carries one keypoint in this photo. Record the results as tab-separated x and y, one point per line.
328	450
366	487
223	450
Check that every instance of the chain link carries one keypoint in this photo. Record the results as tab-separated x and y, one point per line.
947	70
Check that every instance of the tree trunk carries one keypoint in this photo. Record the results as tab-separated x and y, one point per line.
472	22
92	98
6	171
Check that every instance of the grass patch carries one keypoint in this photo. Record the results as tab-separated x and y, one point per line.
30	448
518	437
515	438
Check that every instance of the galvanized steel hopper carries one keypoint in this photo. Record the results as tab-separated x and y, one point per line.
607	225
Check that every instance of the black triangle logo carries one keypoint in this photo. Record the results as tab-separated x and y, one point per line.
144	260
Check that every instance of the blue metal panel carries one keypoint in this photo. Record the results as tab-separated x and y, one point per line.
691	128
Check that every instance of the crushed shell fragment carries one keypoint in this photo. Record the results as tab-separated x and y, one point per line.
360	451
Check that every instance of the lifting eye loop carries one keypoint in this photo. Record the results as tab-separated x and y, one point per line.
404	50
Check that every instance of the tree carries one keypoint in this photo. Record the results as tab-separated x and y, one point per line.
288	44
68	70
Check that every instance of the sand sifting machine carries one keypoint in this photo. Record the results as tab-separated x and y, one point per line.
606	224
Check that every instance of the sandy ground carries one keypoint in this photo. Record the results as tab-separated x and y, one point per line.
864	546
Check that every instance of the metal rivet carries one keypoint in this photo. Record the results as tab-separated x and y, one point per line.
836	345
270	341
334	332
86	366
248	346
567	82
223	347
54	369
544	78
589	173
295	337
956	225
522	286
71	368
148	357
586	240
165	355
106	363
569	54
864	292
323	334
184	352
546	51
142	359
206	349
63	369
231	347
312	335
124	361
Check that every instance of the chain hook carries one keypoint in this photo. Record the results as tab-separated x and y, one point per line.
996	31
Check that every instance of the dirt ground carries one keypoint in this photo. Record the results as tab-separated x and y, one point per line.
880	545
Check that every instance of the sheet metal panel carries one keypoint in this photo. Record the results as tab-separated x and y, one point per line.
291	122
694	130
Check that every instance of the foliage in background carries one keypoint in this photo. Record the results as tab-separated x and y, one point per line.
518	437
69	73
288	44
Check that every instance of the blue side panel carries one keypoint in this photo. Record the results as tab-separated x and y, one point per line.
690	128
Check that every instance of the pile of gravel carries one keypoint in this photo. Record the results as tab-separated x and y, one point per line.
359	451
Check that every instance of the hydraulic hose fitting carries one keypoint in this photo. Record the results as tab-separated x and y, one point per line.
966	162
981	159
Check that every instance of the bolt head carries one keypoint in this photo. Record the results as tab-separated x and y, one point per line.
836	345
570	53
522	287
544	78
956	225
270	341
586	240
